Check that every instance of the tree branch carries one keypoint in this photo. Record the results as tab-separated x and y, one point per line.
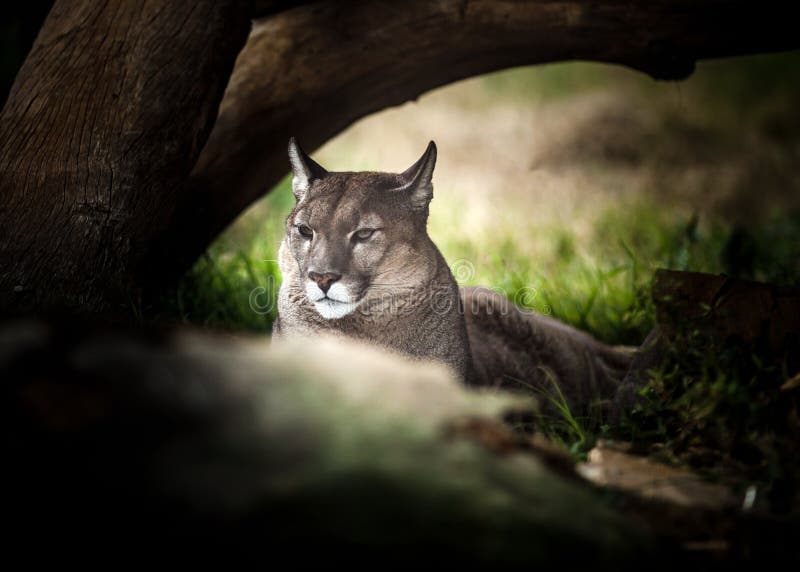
313	70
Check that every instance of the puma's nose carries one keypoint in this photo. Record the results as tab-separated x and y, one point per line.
324	281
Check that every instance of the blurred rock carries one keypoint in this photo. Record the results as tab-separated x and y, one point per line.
191	442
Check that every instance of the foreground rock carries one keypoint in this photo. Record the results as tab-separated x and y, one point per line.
309	451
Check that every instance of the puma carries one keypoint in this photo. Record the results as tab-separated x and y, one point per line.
357	261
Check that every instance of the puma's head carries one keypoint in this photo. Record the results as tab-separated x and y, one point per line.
358	235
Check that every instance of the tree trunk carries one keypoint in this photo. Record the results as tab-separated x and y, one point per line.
111	109
103	125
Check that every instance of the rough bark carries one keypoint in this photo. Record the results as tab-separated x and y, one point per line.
313	70
103	125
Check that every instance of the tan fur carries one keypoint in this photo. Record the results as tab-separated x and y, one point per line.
407	299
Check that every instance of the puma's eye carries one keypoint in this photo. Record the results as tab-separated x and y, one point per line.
364	234
304	231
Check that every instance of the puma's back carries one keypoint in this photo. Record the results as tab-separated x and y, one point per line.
527	351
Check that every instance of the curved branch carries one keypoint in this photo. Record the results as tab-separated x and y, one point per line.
313	70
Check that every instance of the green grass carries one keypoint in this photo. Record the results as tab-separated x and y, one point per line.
600	284
604	292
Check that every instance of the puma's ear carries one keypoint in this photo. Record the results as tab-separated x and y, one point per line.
419	178
305	170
